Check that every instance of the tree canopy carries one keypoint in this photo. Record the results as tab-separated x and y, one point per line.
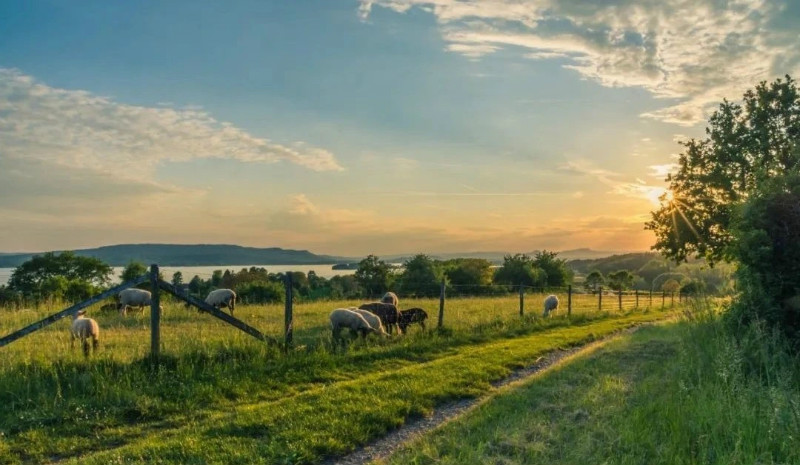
63	275
374	275
746	145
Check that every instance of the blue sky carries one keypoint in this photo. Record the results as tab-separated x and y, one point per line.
355	127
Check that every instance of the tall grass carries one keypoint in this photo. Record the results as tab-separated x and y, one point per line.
688	393
51	396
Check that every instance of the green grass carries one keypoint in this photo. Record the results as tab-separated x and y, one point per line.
219	395
684	393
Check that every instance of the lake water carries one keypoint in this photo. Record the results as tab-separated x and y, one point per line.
205	272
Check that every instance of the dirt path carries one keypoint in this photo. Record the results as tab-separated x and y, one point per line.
385	446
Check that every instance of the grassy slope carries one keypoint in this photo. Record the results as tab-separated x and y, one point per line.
673	394
237	404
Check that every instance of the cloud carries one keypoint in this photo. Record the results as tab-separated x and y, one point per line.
693	52
637	189
76	129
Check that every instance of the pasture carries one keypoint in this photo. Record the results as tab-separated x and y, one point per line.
218	395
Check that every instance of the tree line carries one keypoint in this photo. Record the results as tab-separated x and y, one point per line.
70	278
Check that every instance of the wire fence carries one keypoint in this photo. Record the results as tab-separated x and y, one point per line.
455	307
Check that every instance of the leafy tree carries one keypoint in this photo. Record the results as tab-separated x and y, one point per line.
50	275
345	287
658	282
132	271
9	298
671	285
177	279
620	280
767	240
373	275
558	274
692	287
216	278
594	280
472	275
261	292
650	270
519	269
746	146
420	277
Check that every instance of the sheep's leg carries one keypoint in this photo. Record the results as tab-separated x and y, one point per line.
95	343
85	342
422	323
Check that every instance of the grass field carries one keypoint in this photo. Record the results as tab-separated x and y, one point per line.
220	396
684	393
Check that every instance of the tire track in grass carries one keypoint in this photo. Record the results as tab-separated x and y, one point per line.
330	421
387	445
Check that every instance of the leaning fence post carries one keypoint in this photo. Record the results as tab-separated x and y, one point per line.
155	313
637	298
288	323
569	300
441	305
619	297
600	299
521	300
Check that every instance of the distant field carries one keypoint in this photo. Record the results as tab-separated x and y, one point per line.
219	394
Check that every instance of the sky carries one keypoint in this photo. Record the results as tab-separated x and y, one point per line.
364	126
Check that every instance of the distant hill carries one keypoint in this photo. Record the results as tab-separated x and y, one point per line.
628	261
191	255
497	257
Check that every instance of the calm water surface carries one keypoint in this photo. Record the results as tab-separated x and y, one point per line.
205	272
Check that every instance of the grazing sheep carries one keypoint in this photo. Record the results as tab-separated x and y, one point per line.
84	328
222	298
373	319
390	298
550	304
386	312
134	298
346	318
412	315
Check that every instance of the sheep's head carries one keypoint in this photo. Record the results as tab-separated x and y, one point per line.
78	314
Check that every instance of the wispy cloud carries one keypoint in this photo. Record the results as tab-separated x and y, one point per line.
697	52
79	130
637	188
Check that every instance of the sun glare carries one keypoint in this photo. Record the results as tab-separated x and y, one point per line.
654	193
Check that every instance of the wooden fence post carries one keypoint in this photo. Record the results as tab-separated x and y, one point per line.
569	300
619	297
663	296
521	300
155	313
288	322
441	305
672	299
600	299
637	298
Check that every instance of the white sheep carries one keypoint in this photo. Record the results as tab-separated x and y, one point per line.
84	328
390	298
373	319
346	318
222	298
550	304
134	298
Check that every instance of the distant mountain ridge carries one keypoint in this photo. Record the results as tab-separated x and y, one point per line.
227	254
190	255
496	257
